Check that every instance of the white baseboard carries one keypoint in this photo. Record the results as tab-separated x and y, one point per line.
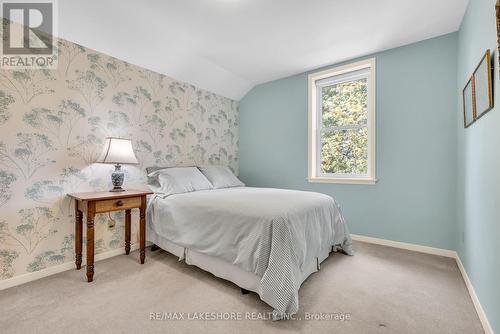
404	245
25	278
441	252
479	309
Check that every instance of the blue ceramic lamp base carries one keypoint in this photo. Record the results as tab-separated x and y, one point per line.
117	179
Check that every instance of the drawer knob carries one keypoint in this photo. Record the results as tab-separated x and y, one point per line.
119	203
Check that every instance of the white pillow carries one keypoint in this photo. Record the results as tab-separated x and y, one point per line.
177	180
221	177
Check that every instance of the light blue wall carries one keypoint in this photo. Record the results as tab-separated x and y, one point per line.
414	199
478	186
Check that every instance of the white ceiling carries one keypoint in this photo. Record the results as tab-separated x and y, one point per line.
229	46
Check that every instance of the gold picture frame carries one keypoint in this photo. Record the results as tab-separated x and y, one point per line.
477	94
469	103
483	86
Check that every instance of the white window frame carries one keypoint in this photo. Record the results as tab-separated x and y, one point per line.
315	111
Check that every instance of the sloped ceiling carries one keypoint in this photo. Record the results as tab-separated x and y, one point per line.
229	46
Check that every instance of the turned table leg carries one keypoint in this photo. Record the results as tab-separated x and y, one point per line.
142	229
78	236
127	231
90	241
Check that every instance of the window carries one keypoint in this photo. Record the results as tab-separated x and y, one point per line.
342	124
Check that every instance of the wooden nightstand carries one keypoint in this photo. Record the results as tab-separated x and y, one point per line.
102	202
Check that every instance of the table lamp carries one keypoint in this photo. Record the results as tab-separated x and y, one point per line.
117	151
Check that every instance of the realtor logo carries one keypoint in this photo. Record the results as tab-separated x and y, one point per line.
27	35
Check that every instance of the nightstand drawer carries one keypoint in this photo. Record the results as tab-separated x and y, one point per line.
117	204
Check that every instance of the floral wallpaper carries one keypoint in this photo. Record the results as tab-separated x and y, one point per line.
52	127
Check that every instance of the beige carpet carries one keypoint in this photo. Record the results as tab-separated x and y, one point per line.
384	290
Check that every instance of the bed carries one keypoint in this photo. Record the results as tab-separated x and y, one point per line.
264	240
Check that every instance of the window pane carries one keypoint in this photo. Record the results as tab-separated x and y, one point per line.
345	103
345	152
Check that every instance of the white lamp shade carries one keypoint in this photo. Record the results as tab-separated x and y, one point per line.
118	151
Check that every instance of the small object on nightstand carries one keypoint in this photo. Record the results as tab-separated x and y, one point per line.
117	151
102	202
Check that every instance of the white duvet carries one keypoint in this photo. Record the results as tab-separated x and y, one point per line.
269	232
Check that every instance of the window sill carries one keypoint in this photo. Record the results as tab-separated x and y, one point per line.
340	180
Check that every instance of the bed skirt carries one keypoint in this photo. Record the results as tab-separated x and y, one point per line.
223	269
